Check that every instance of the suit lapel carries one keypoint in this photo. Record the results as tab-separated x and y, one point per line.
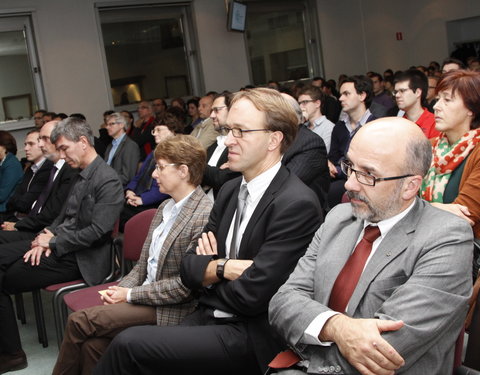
395	242
177	227
224	222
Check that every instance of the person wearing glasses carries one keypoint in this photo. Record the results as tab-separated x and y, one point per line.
384	285
411	88
142	191
38	118
453	180
122	154
152	293
260	225
217	171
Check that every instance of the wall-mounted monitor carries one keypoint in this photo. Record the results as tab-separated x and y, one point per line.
237	15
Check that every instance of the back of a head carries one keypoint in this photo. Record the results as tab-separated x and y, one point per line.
279	114
8	141
72	128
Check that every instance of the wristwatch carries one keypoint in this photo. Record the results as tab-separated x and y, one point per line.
221	268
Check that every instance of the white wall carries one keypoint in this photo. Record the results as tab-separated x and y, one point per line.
359	35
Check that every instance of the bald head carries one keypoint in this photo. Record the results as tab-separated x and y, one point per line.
45	144
399	139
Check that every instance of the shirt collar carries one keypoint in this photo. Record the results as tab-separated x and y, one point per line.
35	167
89	169
386	225
59	164
363	120
257	186
116	142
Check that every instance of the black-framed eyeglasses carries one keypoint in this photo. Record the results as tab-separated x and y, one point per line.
400	91
238	133
365	178
218	109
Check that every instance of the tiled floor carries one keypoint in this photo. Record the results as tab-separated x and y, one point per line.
40	360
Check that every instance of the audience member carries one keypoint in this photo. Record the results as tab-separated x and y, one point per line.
141	132
129	119
307	156
142	193
159	106
410	92
34	180
312	101
38	118
238	263
205	131
11	172
453	180
76	245
49	116
217	172
380	95
431	95
152	293
122	154
273	85
384	284
452	64
355	96
51	199
194	114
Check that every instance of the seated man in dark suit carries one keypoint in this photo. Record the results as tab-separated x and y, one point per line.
33	182
146	296
384	285
216	173
122	154
245	254
51	199
356	95
76	245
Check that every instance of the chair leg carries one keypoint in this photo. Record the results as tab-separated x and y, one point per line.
40	318
59	315
20	307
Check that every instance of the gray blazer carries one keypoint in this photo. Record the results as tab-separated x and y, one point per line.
126	158
420	273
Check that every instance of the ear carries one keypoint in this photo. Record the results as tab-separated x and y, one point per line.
84	141
363	96
183	170
418	93
411	187
276	139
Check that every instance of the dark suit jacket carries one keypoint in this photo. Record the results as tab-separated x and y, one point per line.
277	234
126	158
28	191
215	177
307	158
341	138
97	196
54	203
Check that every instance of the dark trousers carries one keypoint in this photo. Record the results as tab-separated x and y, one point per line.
14	236
201	344
16	276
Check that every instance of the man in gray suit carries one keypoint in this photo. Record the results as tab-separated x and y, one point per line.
393	302
122	154
76	245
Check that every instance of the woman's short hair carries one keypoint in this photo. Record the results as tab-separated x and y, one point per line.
8	141
465	83
187	150
172	122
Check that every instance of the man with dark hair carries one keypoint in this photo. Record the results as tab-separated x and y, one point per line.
384	285
380	95
38	118
452	64
75	246
312	101
141	132
356	95
217	173
411	87
159	106
33	182
123	153
259	226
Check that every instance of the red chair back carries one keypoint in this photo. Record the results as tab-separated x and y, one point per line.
135	233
